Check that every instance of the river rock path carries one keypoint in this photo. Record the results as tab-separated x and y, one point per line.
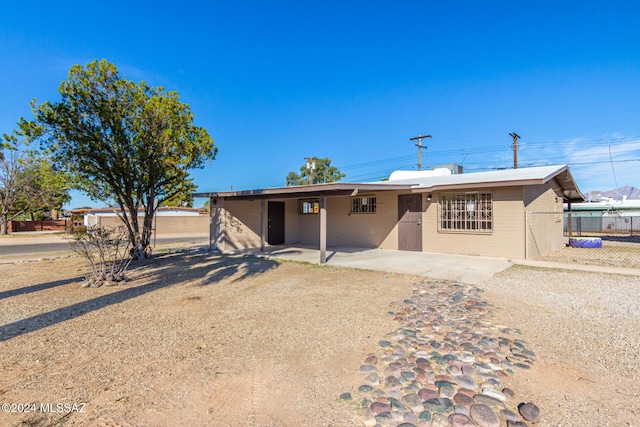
445	365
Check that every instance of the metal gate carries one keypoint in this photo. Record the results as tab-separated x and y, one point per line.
410	222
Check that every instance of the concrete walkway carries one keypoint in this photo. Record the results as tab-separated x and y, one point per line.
462	268
468	269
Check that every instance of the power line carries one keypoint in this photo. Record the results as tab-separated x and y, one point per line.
615	161
379	162
569	164
486	150
595	141
465	157
580	155
379	174
612	168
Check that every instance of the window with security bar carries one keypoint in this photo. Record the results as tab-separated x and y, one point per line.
470	212
365	204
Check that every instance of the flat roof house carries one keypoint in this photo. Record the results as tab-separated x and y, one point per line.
168	220
483	213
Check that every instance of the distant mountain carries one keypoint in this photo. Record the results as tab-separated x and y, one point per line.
617	193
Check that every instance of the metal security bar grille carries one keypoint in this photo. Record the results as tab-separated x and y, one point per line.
471	212
363	205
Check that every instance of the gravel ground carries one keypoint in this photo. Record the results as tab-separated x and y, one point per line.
614	254
585	328
202	340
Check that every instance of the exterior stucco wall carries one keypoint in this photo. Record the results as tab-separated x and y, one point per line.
544	210
370	230
366	230
166	225
291	222
309	227
543	198
505	241
238	224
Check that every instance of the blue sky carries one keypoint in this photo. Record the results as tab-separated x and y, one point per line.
274	82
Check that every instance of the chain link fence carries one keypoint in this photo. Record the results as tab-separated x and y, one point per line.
550	236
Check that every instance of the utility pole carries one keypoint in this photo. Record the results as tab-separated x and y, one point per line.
311	165
515	137
420	147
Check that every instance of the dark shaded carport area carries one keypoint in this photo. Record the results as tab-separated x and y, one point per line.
468	269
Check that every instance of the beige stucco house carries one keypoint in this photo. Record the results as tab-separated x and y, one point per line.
168	220
482	213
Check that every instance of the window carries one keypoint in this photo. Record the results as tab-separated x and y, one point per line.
363	204
311	206
472	212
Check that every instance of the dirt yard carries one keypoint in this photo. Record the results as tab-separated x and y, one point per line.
201	340
193	340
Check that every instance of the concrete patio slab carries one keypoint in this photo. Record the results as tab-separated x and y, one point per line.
468	269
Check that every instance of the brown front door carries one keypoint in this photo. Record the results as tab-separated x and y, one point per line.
275	220
410	222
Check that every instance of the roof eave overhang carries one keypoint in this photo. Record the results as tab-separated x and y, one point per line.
571	192
317	190
563	177
475	185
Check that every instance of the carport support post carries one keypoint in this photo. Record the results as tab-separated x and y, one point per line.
323	230
211	224
569	220
262	227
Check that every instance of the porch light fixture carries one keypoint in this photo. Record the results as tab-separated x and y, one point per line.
429	197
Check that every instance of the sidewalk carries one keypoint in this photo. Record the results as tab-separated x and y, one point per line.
32	238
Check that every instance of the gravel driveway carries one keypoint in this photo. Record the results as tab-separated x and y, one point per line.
586	331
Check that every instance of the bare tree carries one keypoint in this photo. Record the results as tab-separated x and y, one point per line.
107	250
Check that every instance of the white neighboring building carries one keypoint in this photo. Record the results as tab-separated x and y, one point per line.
607	206
92	216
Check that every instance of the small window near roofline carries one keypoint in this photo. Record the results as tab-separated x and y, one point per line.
308	206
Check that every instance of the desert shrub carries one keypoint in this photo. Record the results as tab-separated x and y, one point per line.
107	251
